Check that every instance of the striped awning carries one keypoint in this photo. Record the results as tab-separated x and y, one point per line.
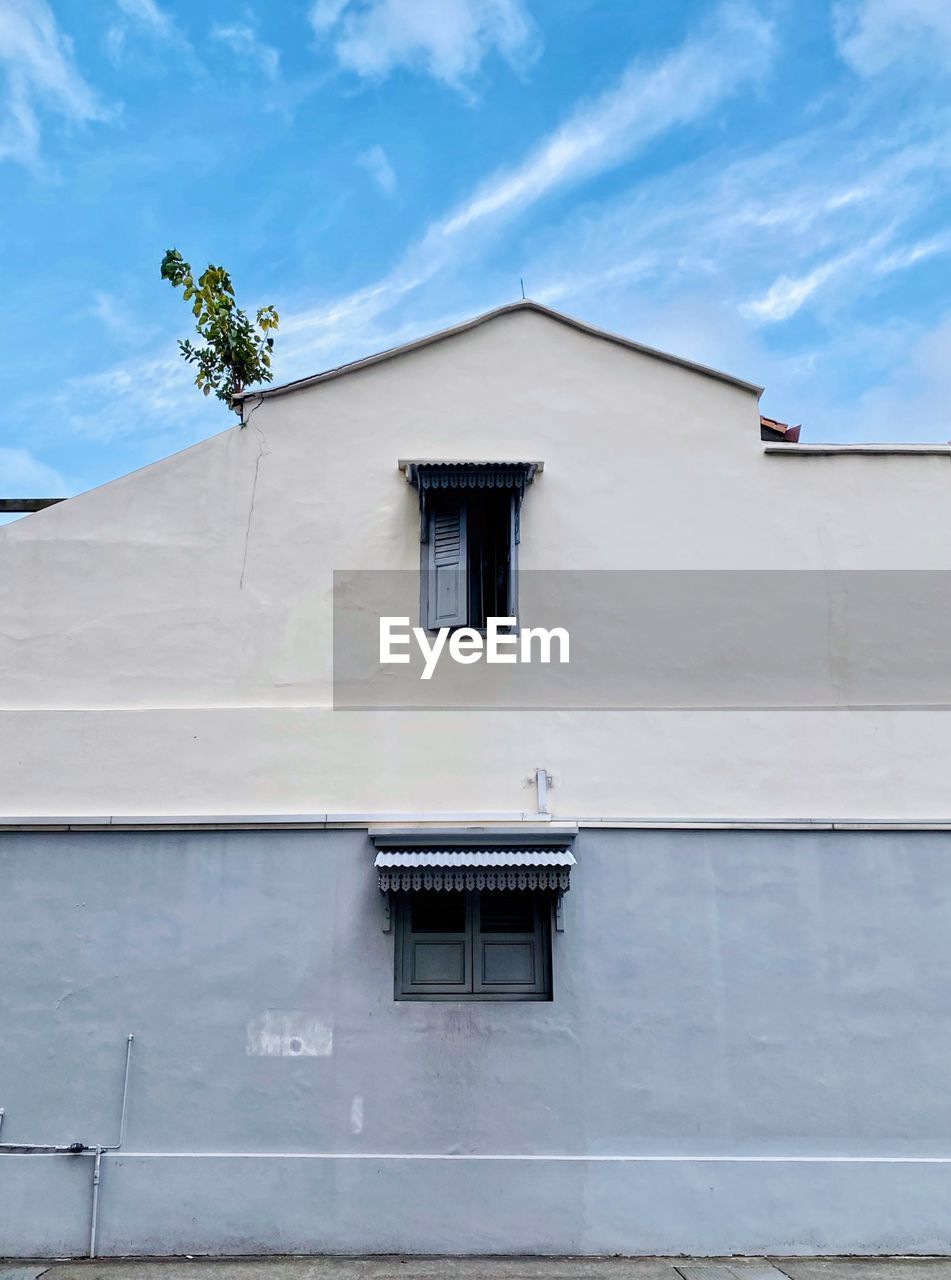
473	868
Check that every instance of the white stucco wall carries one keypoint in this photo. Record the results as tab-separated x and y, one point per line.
166	640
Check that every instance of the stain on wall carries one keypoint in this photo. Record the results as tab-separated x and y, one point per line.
289	1033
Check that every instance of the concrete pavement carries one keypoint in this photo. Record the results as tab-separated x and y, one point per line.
534	1268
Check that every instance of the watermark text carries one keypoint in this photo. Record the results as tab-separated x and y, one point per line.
500	643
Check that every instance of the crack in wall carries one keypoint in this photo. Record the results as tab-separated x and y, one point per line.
254	486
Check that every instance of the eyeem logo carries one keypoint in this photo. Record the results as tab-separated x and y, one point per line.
466	645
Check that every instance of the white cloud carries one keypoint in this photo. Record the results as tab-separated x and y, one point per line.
906	393
377	164
151	397
148	19
325	13
788	294
913	402
40	75
449	39
873	34
119	318
109	404
149	14
245	45
817	222
910	255
648	99
24	476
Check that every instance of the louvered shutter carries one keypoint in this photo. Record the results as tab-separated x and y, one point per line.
435	956
510	949
448	601
511	603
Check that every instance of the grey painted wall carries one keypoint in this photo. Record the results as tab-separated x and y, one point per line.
771	999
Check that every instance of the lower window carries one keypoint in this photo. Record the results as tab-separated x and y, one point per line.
490	944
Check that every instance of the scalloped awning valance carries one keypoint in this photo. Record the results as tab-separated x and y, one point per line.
510	868
435	475
440	474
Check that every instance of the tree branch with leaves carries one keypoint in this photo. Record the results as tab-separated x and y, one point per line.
234	353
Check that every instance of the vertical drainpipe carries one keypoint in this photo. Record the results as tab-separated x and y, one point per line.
78	1148
97	1163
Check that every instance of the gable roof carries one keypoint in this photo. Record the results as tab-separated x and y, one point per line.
524	304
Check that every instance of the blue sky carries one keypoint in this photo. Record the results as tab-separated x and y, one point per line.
761	185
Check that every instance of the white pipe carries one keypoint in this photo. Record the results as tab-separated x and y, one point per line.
97	1166
696	1158
94	1216
80	1148
125	1093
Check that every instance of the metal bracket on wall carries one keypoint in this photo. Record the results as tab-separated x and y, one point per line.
543	781
559	912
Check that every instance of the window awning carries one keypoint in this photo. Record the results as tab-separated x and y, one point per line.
537	867
430	475
437	473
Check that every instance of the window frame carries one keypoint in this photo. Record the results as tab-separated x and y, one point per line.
463	499
474	987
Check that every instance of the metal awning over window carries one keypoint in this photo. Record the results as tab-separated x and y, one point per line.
509	868
435	475
529	859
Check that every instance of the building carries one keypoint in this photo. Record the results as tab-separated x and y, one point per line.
710	886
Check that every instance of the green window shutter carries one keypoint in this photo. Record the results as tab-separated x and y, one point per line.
510	944
470	944
448	600
435	955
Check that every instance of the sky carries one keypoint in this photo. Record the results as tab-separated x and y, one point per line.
758	185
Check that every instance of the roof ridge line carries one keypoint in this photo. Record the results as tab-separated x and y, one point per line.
509	308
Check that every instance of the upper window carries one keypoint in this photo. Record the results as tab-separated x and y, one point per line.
470	515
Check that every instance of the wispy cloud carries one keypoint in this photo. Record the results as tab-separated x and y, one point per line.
649	98
448	39
705	258
788	293
119	318
822	219
910	255
40	75
150	15
24	476
149	397
911	400
647	101
874	34
243	42
378	166
146	19
109	404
